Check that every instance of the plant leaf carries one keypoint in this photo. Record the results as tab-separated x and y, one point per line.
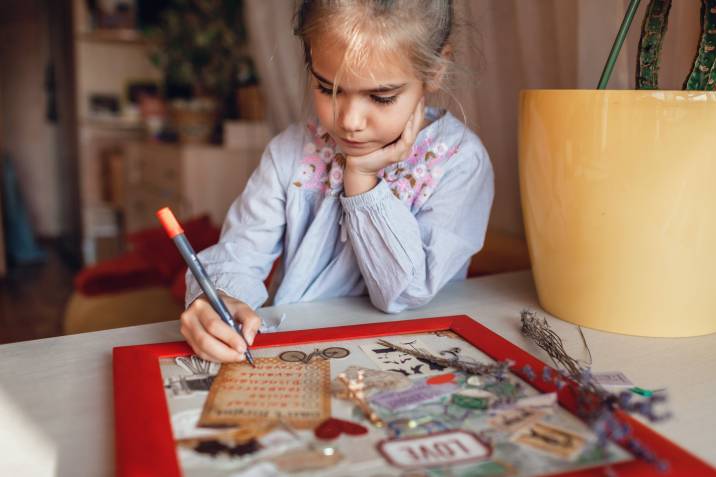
653	30
703	73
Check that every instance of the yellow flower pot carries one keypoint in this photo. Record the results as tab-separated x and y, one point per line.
619	203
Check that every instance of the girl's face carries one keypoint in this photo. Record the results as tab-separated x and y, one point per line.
372	104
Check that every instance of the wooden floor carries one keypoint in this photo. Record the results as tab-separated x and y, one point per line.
33	297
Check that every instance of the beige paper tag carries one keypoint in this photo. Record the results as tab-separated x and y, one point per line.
551	440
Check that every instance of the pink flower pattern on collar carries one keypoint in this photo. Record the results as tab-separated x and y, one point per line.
412	180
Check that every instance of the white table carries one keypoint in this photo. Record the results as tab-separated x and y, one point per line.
56	413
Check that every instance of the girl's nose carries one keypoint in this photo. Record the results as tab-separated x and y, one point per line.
351	117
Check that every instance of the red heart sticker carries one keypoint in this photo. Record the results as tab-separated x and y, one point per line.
441	379
328	429
333	427
353	429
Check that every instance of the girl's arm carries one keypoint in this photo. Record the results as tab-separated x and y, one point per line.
404	259
250	242
250	238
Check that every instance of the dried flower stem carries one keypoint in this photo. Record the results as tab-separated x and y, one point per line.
498	369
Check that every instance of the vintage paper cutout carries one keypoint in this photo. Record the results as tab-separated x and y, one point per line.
301	460
215	447
512	420
447	334
295	393
354	390
234	436
389	359
551	440
615	379
546	400
419	393
373	380
473	398
434	450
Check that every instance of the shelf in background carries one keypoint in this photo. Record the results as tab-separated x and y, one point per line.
107	35
107	122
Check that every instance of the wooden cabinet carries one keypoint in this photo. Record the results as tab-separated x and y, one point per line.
191	179
133	178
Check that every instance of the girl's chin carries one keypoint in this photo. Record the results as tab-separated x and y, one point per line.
358	149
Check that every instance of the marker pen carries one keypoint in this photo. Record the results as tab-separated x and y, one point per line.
176	233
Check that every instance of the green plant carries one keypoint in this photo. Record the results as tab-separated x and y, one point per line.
703	72
198	43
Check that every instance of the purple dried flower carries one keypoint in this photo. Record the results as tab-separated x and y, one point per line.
641	452
624	399
585	376
529	372
620	431
662	466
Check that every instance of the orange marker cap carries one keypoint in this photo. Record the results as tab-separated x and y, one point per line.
170	223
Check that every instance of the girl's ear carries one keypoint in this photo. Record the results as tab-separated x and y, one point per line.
436	81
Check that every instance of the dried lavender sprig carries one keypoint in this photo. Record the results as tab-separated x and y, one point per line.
544	337
594	404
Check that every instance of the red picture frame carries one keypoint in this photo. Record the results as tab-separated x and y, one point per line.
144	443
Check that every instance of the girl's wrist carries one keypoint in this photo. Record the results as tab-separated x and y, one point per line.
358	182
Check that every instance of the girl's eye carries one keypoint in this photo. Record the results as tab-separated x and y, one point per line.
324	90
384	100
381	100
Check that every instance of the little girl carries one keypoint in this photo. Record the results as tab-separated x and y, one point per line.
378	194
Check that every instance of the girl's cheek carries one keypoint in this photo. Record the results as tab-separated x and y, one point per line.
322	109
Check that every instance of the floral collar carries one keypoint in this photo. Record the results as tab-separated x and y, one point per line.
412	180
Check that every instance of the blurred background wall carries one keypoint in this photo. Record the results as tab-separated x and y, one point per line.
28	135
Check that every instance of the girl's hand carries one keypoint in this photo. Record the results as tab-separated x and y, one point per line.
360	171
211	338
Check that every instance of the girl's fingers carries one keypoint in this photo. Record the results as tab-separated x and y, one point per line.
415	123
213	325
250	324
419	116
198	351
208	336
216	350
207	346
247	317
412	128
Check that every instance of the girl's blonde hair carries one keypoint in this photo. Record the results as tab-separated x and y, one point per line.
413	30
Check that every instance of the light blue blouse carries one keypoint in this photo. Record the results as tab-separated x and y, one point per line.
402	241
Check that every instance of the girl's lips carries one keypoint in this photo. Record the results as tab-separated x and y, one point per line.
353	143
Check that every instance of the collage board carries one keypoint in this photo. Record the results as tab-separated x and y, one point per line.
371	407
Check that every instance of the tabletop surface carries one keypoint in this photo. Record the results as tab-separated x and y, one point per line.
56	394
